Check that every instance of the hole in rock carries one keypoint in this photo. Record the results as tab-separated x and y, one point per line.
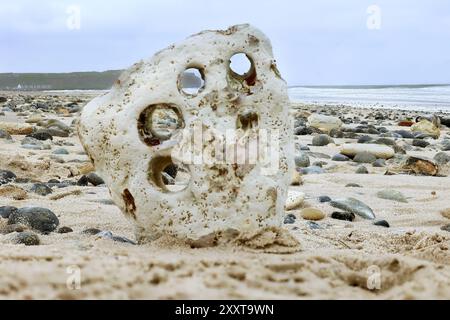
243	68
167	175
247	121
158	123
192	81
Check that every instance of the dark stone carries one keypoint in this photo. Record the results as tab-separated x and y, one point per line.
313	225
420	143
382	223
53	181
83	181
353	185
336	133
340	157
345	216
323	199
364	139
65	230
302	131
405	134
312	170
302	160
91	231
290	219
27	238
39	219
446	228
442	158
6	211
95	179
3	99
42	135
6	176
41	189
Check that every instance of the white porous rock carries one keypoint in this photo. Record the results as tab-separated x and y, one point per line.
323	122
378	150
127	150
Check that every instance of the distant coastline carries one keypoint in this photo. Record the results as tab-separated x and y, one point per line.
380	86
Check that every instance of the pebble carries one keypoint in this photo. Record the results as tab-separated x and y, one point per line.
446	213
6	211
364	139
446	228
321	140
41	189
323	199
382	223
83	181
354	206
302	160
64	230
312	214
41	134
312	170
345	216
290	219
10	228
353	185
91	231
442	158
340	157
392	195
313	225
7	176
40	219
420	143
379	163
95	179
61	151
364	157
294	200
27	238
5	135
362	170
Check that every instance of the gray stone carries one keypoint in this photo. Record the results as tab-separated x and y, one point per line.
7	176
442	158
364	157
420	143
312	170
321	140
365	139
379	163
27	238
362	170
340	157
354	206
41	189
40	219
323	199
290	219
5	135
61	151
6	211
393	195
302	160
382	223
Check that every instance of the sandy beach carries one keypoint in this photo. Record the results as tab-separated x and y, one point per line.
335	259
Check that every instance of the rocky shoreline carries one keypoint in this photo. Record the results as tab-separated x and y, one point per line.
370	192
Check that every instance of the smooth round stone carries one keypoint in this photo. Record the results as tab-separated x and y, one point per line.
302	160
294	200
420	143
64	230
39	219
405	134
336	133
83	181
344	216
382	223
304	148
362	170
442	158
340	157
27	238
91	231
319	164
302	131
290	219
364	139
379	163
385	141
446	228
323	199
364	157
321	140
41	135
95	179
378	150
61	151
41	189
7	176
312	214
6	211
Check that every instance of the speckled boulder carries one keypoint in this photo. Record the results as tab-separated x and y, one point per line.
141	163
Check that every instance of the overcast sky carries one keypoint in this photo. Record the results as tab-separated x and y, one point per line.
315	42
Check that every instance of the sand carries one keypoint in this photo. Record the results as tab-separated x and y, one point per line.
341	260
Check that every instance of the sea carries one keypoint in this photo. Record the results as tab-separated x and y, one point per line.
430	98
